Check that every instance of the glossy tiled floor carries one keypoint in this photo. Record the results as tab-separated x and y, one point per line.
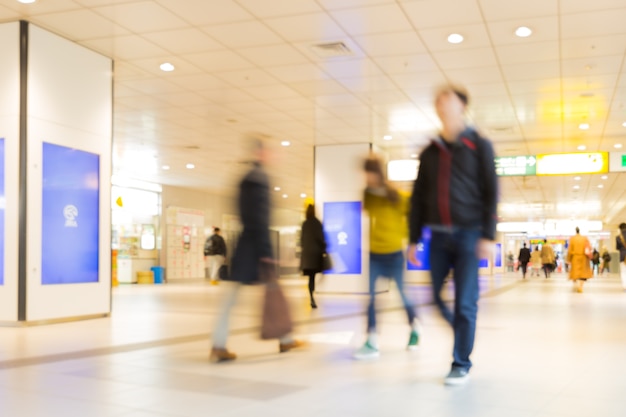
541	351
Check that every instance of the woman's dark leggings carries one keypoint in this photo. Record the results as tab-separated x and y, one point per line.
311	283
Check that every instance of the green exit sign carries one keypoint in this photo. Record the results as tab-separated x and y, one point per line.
624	160
511	166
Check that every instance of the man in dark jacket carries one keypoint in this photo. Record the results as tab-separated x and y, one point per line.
620	245
215	252
253	249
455	195
524	258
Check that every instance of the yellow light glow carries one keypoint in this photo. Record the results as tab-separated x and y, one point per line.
573	163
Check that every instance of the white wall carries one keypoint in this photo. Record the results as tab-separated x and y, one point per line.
69	104
9	130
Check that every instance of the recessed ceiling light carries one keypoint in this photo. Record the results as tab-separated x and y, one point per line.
387	137
276	188
605	177
582	148
285	143
617	145
523	32
624	124
583	126
167	67
190	166
455	38
600	186
165	167
26	1
413	155
302	195
576	187
285	196
576	178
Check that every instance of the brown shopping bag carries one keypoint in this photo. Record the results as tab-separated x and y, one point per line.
276	321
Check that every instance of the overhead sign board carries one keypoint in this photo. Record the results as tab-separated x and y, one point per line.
573	163
509	166
617	162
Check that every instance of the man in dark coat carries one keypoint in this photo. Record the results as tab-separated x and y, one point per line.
253	249
524	258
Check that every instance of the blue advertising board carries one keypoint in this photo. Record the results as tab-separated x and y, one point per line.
498	260
423	252
342	225
2	209
70	216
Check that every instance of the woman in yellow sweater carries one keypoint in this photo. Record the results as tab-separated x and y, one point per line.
388	209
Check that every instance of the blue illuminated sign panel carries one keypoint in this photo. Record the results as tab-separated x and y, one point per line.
342	224
423	252
70	216
2	208
498	260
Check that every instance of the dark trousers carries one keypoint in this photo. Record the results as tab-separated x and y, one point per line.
457	249
311	276
524	266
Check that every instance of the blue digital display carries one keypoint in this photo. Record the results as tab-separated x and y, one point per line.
498	260
423	252
483	263
342	224
70	216
2	209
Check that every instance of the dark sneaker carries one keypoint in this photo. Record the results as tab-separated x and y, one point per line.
414	340
457	376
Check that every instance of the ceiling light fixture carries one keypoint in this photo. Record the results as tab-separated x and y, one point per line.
285	143
605	177
285	196
617	146
523	32
26	1
582	148
190	166
302	195
576	187
583	126
624	124
413	155
455	38
600	186
576	178
167	67
276	188
387	137
165	167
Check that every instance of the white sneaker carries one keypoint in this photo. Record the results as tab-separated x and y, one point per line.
457	376
367	352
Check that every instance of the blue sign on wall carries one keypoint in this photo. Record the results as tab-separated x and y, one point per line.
2	209
71	213
423	252
342	224
498	260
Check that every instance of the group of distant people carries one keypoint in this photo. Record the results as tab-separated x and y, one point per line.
539	259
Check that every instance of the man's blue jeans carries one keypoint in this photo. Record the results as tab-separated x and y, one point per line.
389	266
457	249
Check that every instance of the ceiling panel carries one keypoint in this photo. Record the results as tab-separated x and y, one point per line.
372	20
442	13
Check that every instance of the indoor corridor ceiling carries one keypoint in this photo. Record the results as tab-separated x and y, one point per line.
251	65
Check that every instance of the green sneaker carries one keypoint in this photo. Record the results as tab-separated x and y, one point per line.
414	340
366	352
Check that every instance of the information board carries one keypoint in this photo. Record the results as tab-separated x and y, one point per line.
422	253
70	216
2	210
342	225
509	166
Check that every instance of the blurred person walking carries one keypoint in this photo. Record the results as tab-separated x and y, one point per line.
620	244
578	256
215	252
313	244
547	258
595	261
253	254
606	261
535	261
524	258
455	195
388	209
